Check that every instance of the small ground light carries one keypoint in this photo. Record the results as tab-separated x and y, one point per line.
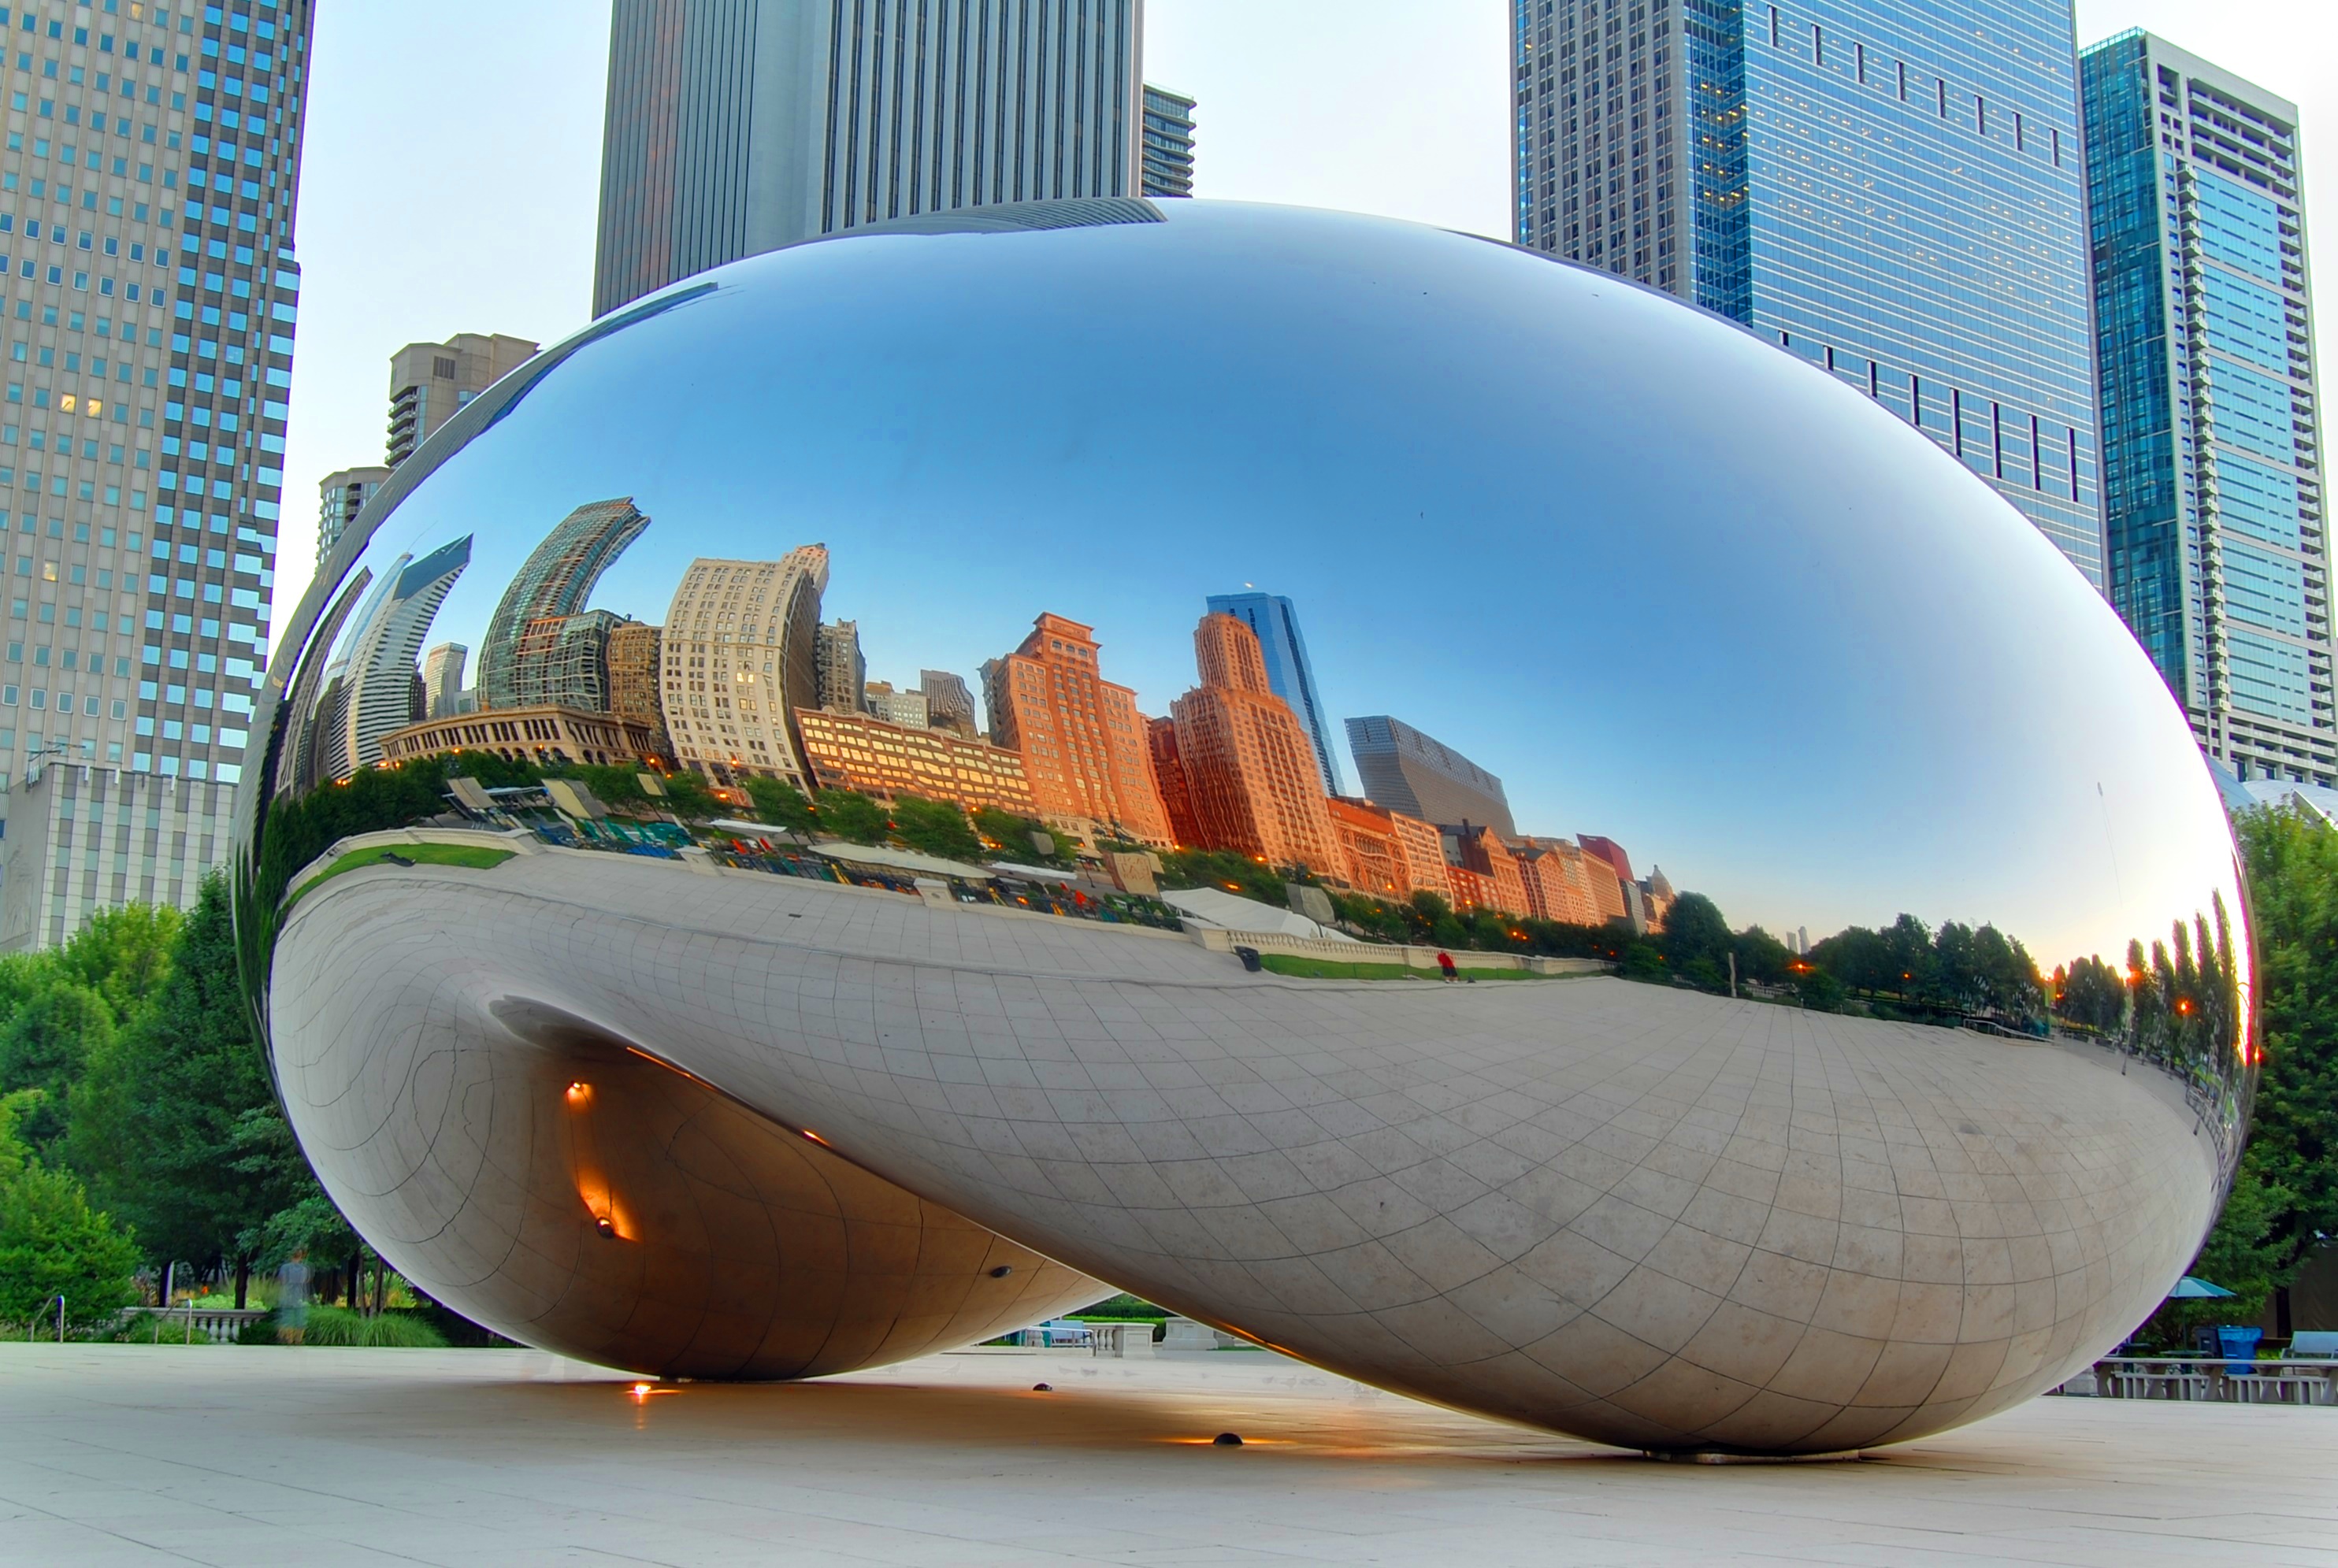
1226	1440
606	1227
1043	1388
1002	1271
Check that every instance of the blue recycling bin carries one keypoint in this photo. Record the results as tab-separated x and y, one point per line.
2240	1345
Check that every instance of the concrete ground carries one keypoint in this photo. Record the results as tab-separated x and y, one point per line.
133	1455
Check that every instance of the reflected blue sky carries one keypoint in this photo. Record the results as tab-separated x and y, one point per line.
1670	585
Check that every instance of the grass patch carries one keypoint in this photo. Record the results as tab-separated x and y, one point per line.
478	857
1292	964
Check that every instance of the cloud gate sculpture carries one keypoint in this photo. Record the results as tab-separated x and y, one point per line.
803	828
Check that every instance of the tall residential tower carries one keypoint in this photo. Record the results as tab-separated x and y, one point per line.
150	172
737	126
1274	621
1891	189
1168	151
2214	503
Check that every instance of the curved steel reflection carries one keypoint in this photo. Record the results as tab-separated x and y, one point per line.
651	982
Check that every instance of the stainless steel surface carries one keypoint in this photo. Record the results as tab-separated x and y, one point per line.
1665	584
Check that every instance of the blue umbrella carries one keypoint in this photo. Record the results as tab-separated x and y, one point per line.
2191	1290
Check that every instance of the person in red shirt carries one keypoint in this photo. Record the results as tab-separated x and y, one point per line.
1444	966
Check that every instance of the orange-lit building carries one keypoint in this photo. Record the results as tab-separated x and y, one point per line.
1388	853
1368	843
1481	852
1169	776
859	752
1085	754
1559	879
1250	765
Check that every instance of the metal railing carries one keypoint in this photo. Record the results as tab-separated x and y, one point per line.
2215	1381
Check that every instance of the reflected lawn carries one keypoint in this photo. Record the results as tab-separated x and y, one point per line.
478	857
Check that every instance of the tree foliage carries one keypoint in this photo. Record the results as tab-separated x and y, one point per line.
52	1242
2293	1153
934	828
189	1073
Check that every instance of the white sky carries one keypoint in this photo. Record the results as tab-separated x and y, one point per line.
452	167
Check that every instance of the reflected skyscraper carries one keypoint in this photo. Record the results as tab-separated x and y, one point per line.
737	126
442	679
1890	190
738	656
1408	771
382	690
1289	673
2212	499
554	583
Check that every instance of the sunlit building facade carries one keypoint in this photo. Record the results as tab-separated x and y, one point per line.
1274	621
1407	770
860	752
2215	508
736	657
1250	764
1086	751
1891	189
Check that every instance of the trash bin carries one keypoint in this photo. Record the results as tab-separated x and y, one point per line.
2239	1346
1249	955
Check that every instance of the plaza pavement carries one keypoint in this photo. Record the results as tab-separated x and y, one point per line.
122	1454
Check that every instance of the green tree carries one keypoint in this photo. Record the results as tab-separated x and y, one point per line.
783	805
1014	837
1696	940
47	1045
52	1242
2292	869
189	1072
125	955
852	817
934	828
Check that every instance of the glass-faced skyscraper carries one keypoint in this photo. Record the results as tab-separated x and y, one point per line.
1891	189
738	126
1289	673
1168	153
2214	505
146	216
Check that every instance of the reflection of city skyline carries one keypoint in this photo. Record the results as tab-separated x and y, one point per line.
743	679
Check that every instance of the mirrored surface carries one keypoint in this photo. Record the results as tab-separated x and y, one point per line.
1021	711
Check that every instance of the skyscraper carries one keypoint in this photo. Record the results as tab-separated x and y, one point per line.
738	656
1250	765
1085	754
1890	188
1168	142
948	704
430	382
553	582
1275	623
151	316
383	690
340	496
2214	504
1408	771
737	126
842	674
635	663
442	679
